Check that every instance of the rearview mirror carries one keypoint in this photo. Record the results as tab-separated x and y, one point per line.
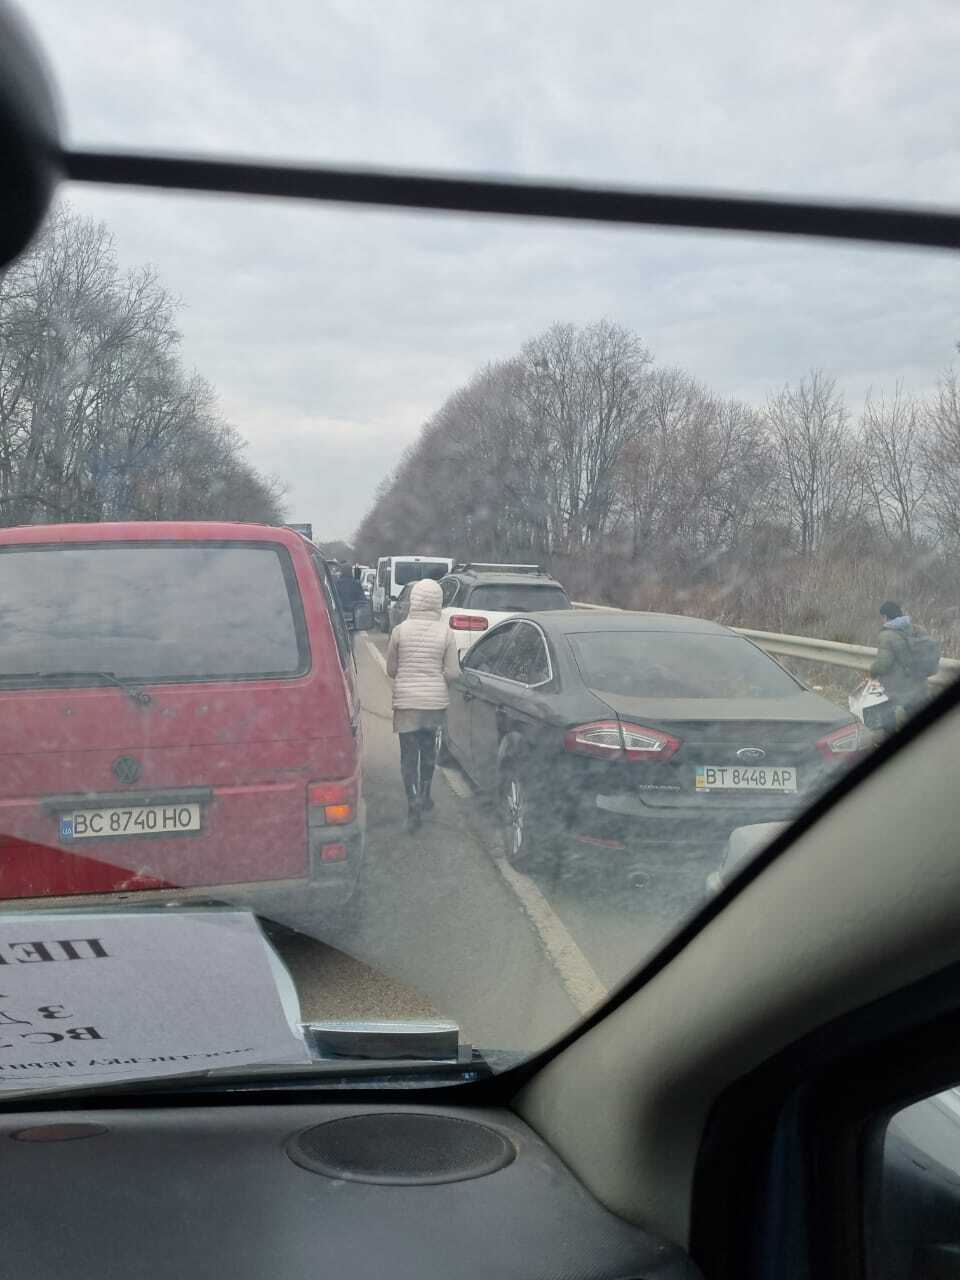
29	136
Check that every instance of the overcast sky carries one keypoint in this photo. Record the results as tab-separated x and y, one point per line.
330	335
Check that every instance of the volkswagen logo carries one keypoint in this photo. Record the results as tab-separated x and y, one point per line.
126	769
751	753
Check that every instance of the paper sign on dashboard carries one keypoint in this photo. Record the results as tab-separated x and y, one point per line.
87	998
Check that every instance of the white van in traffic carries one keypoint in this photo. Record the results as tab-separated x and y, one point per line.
393	574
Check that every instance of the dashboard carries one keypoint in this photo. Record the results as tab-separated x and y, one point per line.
305	1191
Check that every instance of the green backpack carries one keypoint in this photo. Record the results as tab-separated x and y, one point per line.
923	654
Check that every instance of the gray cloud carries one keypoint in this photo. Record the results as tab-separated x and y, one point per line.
331	334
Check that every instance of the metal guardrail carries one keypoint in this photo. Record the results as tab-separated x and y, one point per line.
831	653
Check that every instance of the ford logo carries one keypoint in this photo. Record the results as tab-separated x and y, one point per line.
126	769
751	753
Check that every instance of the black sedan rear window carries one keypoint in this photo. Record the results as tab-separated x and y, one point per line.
150	611
667	664
516	597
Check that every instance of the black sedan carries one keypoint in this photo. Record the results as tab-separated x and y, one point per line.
620	730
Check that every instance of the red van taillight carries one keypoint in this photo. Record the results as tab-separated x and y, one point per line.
613	740
333	853
331	804
843	745
468	622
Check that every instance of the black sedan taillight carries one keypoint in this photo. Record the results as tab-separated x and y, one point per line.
844	745
616	740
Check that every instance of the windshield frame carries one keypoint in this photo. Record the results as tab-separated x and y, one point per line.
779	216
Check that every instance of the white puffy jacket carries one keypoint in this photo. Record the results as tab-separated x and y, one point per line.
422	654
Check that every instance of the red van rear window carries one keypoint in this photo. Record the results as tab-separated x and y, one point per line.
150	611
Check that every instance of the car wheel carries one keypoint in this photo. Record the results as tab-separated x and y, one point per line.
525	842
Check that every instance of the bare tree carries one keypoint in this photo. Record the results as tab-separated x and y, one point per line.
640	484
696	473
97	418
335	549
941	454
588	386
809	426
892	443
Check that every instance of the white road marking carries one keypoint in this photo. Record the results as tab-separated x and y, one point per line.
578	976
375	652
575	971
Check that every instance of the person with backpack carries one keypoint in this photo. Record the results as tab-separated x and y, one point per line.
906	657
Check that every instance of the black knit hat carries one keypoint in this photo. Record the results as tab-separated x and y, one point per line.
890	609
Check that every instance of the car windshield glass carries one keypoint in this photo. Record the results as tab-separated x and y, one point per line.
516	597
693	496
412	571
664	664
150	612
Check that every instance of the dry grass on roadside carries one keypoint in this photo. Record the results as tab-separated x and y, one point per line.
826	599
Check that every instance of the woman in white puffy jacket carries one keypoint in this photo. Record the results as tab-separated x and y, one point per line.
421	658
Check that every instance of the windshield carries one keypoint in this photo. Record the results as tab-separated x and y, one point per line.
508	597
412	571
717	473
657	664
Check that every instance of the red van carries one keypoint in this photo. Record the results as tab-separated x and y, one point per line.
177	712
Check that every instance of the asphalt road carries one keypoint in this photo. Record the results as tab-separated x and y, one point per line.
450	929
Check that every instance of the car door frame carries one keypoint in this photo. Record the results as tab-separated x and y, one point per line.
342	641
799	1139
463	692
506	709
393	613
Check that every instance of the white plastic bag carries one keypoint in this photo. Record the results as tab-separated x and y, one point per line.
870	704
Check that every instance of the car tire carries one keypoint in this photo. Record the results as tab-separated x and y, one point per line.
526	843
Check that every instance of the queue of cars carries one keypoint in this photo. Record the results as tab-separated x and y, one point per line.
622	730
477	596
396	572
179	710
